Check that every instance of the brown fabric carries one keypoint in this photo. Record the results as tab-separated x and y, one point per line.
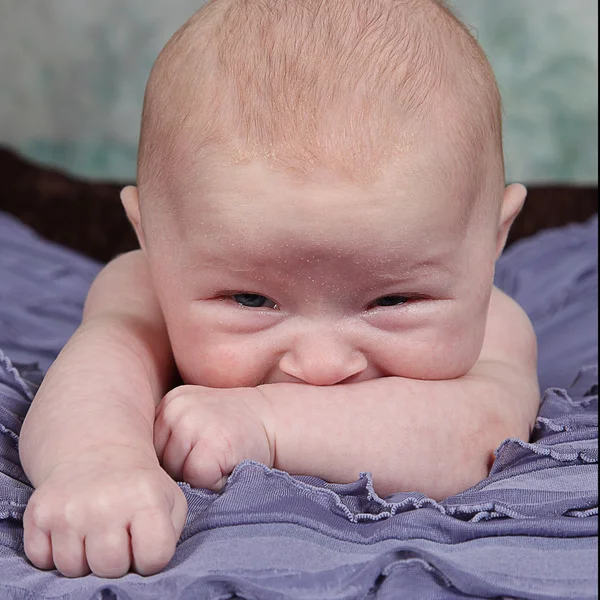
553	206
83	215
88	217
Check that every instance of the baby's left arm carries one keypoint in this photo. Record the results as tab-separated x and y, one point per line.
437	437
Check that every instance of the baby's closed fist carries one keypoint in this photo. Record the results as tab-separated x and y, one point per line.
108	512
201	433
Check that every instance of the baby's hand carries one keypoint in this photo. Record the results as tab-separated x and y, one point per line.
107	512
201	434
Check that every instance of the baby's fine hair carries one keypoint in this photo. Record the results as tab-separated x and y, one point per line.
341	84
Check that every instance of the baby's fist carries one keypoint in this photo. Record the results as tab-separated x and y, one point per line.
201	434
106	512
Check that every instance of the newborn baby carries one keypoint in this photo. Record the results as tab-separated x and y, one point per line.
320	206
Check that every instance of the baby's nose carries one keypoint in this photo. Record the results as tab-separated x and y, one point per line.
322	360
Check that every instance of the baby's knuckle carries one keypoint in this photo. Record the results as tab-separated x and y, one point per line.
145	494
168	420
50	515
98	509
167	400
171	414
40	515
175	394
75	512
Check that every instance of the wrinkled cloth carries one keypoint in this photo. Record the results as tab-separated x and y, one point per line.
529	530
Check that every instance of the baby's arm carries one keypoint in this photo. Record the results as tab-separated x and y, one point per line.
437	437
102	502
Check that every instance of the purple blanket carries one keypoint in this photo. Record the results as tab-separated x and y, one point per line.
527	531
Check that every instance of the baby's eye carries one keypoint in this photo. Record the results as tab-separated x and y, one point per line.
389	301
253	301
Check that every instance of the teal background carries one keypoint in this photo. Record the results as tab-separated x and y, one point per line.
72	77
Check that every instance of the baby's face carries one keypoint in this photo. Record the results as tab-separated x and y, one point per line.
264	277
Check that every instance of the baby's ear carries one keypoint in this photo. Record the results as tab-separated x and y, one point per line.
131	204
512	203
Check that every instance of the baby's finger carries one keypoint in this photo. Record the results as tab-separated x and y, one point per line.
38	547
162	435
68	553
174	455
153	540
109	552
201	469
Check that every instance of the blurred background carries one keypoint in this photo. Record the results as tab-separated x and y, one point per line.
72	77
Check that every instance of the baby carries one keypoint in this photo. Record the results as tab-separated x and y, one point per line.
320	206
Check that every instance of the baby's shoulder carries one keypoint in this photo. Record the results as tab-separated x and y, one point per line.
124	285
509	333
503	304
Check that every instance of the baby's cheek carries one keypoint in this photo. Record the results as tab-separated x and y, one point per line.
461	348
436	353
461	336
218	367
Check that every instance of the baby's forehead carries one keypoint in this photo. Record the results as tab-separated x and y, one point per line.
261	201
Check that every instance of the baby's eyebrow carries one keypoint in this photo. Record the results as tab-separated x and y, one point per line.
394	266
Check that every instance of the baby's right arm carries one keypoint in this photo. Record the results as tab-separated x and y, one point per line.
102	502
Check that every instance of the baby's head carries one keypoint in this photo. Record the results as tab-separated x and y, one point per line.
321	191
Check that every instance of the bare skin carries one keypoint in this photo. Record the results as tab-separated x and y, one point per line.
421	335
